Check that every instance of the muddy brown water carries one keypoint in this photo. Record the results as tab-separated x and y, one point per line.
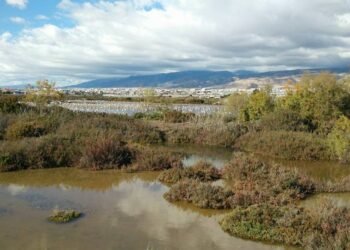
121	210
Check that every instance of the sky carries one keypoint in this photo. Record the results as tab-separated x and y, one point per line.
71	41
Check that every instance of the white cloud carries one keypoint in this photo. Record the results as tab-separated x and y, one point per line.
18	20
17	3
41	17
122	38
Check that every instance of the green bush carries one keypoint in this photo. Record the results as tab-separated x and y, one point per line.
29	127
286	145
339	139
45	152
203	195
64	216
13	156
286	120
4	123
10	104
327	227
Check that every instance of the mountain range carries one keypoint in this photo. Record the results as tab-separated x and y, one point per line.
194	79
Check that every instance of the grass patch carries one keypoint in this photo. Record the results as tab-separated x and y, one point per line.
64	216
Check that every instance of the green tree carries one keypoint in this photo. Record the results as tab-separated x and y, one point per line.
339	139
236	102
149	95
260	103
319	99
44	93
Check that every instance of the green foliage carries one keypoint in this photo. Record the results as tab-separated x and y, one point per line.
203	195
286	145
259	103
26	128
10	104
318	98
282	119
326	228
248	181
149	95
33	153
339	139
44	93
236	102
64	216
13	156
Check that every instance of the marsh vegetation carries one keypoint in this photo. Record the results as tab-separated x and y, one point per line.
310	123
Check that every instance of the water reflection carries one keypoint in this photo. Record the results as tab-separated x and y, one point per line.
123	211
338	199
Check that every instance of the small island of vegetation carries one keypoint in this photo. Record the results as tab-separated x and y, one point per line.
311	122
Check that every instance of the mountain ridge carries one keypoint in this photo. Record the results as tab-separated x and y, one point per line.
192	79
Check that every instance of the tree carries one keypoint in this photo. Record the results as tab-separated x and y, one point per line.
149	95
260	103
44	93
319	99
339	139
235	102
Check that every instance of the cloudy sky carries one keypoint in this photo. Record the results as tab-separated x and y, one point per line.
70	41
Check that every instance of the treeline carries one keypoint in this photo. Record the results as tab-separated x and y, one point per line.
310	122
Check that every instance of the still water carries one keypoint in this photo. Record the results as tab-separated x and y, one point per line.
123	210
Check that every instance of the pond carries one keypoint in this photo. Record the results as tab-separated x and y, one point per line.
130	108
124	210
121	211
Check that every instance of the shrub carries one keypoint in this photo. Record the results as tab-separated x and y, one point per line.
339	139
201	171
152	160
10	104
285	145
27	128
4	122
106	153
175	116
64	216
52	152
207	133
326	228
280	184
45	152
13	156
283	119
200	194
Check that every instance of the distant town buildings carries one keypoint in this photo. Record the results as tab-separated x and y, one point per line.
166	92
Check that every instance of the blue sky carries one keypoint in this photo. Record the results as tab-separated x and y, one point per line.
70	41
36	13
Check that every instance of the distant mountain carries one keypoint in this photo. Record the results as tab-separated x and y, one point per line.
18	86
184	79
190	79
